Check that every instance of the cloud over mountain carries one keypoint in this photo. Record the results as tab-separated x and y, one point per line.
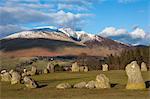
137	36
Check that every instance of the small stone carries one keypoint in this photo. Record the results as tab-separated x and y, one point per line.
90	84
104	67
80	85
29	83
63	86
75	67
15	78
81	68
143	67
45	71
86	69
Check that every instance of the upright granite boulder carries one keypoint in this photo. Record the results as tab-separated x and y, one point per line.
90	84
104	67
29	83
135	79
15	77
5	76
102	81
143	67
63	86
75	67
80	85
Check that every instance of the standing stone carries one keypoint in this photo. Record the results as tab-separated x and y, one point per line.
102	81
135	80
90	84
5	76
104	67
80	85
86	69
143	67
81	68
45	71
33	70
75	67
15	78
29	83
63	86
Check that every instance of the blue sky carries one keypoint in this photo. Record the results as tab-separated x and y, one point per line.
123	20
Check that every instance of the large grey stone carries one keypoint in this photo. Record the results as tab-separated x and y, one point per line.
135	79
102	81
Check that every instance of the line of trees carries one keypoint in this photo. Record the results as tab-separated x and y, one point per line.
139	54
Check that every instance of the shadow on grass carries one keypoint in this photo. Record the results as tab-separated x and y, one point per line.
147	83
41	86
113	85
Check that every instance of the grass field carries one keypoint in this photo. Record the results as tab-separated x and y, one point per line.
49	81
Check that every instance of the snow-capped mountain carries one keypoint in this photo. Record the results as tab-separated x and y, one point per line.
54	39
50	32
46	32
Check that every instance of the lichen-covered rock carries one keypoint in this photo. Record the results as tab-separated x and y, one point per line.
15	78
29	83
86	69
75	67
63	86
5	76
135	79
102	81
80	85
143	67
90	84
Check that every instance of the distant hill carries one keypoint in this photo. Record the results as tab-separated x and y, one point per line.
63	40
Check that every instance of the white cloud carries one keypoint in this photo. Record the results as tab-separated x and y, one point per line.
138	33
112	31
